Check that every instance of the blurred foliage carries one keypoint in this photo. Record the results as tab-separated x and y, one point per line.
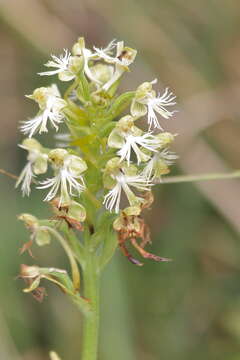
186	309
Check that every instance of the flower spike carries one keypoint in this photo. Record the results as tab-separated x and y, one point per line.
103	168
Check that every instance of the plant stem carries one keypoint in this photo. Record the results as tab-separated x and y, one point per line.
7	173
69	90
91	326
201	177
68	250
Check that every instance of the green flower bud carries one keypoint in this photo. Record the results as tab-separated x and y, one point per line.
100	98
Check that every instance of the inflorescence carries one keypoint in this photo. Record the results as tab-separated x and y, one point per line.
105	157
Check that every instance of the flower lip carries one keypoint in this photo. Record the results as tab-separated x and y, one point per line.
37	164
68	178
159	164
147	101
51	109
61	64
123	182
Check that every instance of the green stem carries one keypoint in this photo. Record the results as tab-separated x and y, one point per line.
201	177
91	326
70	89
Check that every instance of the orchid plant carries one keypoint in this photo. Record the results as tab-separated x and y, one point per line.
101	175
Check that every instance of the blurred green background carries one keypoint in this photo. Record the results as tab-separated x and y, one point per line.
186	309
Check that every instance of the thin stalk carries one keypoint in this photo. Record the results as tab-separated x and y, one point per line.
68	250
7	173
70	89
201	177
77	248
91	326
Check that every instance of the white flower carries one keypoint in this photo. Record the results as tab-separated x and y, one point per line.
80	50
106	53
51	106
118	177
37	164
127	137
146	101
25	178
123	58
113	197
68	179
159	105
89	55
159	164
61	64
132	142
68	65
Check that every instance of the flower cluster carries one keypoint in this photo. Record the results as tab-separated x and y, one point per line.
129	157
105	158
